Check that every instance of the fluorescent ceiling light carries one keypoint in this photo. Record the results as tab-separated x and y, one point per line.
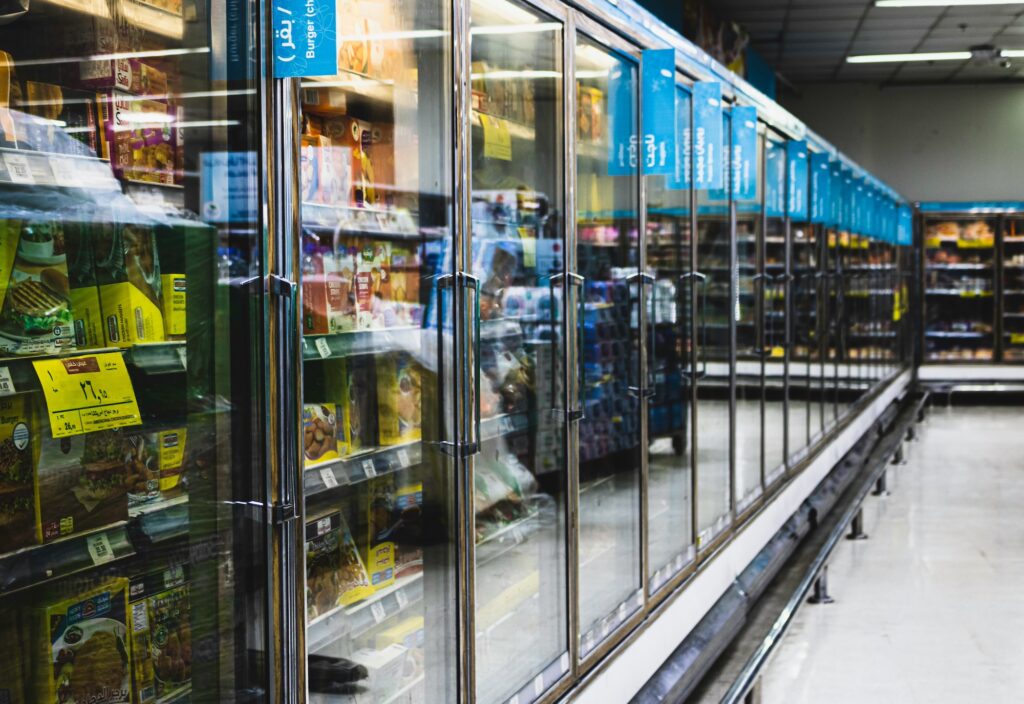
923	56
1012	53
941	3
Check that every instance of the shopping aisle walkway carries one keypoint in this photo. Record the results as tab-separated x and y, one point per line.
930	608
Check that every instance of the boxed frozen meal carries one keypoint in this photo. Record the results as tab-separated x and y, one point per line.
17	489
381	546
152	461
173	291
590	113
354	383
14	675
159	611
409	634
335	575
321	441
328	289
398	399
81	481
129	75
128	274
408	529
326	171
136	136
403	285
84	294
84	650
355	137
65	113
384	668
374	44
373	271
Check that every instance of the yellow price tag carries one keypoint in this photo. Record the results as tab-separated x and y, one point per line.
932	242
1017	338
897	306
975	244
88	393
497	140
778	352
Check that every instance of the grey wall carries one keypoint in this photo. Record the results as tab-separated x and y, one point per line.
927	142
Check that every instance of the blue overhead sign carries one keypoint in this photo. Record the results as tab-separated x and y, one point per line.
707	135
658	105
796	186
775	181
680	179
743	150
305	38
622	117
821	179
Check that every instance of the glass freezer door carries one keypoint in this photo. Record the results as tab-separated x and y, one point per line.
773	296
608	259
517	237
133	534
376	266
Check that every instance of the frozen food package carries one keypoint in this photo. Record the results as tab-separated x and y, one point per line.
335	575
380	545
159	616
152	461
398	399
147	152
359	394
408	529
83	647
35	317
373	273
81	481
128	274
14	665
17	489
328	288
321	441
123	74
173	290
84	294
64	113
404	285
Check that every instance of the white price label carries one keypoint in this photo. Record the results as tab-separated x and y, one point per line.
368	469
327	475
538	685
182	356
377	609
622	611
403	458
18	168
140	617
517	535
402	598
99	548
605	629
6	383
323	525
322	347
563	662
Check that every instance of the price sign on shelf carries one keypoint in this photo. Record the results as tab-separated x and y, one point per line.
88	393
377	609
6	382
99	548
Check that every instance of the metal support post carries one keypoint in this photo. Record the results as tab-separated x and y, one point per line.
820	595
911	432
880	486
898	457
857	527
753	695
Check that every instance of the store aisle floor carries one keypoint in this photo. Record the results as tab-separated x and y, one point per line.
929	609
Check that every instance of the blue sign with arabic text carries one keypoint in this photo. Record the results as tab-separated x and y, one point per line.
821	180
305	38
707	135
680	178
775	181
721	194
743	148
796	185
622	117
658	105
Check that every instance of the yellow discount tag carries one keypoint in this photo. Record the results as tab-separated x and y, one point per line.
88	393
932	242
778	352
497	140
1017	338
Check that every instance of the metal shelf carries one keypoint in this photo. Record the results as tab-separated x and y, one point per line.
360	342
359	467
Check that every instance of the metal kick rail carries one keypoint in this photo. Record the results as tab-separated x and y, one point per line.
889	449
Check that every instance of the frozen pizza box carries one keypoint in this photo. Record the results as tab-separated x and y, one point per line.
130	286
83	649
159	616
17	489
335	575
137	137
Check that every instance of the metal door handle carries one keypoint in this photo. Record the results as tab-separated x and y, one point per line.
644	279
576	408
468	282
446	446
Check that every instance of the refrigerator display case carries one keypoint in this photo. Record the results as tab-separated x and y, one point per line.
398	384
959	307
136	517
1011	304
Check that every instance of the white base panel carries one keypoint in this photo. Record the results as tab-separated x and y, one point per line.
971	372
630	669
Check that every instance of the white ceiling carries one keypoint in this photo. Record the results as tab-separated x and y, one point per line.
809	40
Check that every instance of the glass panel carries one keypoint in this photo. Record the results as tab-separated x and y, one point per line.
959	310
518	246
714	358
376	240
670	526
1013	280
750	343
804	371
774	298
131	248
834	329
607	255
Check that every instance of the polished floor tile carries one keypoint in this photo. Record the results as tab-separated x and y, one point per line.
930	608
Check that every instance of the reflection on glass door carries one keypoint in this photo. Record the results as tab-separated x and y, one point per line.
670	541
713	350
804	373
518	257
376	253
750	341
773	296
132	479
834	338
1012	303
607	257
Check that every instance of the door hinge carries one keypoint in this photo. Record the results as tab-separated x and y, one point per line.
280	514
280	286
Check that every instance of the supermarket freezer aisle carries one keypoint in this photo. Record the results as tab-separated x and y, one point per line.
928	609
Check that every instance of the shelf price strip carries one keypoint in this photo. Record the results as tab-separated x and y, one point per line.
89	393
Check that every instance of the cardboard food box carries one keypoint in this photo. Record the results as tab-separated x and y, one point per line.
84	295
408	529
354	381
137	137
84	649
398	399
153	463
590	113
14	675
380	544
404	284
17	488
81	481
173	293
377	46
128	75
328	289
64	112
384	667
321	441
355	136
159	611
335	575
128	274
373	271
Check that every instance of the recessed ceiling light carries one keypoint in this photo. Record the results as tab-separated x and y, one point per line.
941	3
1012	53
922	56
